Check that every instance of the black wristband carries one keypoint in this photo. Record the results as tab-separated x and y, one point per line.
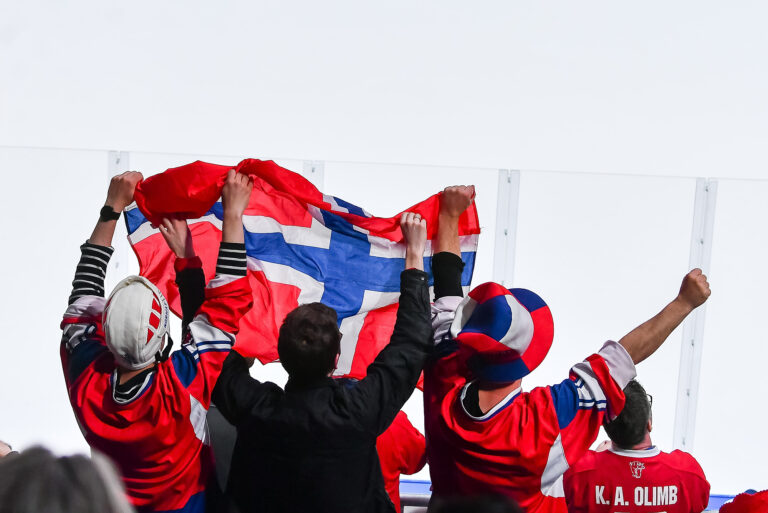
108	214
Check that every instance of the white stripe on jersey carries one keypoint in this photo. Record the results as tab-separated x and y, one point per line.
552	478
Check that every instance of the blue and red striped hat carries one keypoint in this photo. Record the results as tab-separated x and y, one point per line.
508	331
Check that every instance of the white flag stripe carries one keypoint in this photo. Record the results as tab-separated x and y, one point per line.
385	248
311	290
373	299
316	236
350	330
146	230
334	205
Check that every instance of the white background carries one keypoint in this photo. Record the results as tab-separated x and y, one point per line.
665	90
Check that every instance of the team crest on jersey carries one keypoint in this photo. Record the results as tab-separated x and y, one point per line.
637	468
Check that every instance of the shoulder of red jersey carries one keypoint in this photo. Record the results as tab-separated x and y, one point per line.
682	461
587	463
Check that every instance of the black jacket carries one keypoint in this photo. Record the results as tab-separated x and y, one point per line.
313	448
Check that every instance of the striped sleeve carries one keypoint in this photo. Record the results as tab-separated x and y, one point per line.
580	404
232	259
91	270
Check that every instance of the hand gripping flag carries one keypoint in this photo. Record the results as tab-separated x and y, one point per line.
302	246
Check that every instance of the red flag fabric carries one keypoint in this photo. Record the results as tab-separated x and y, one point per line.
302	246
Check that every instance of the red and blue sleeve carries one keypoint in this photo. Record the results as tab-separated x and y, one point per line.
592	394
212	332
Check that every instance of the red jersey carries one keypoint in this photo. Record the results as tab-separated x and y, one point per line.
401	450
642	481
523	445
159	438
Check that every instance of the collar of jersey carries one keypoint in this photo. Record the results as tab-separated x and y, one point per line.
493	411
139	391
650	452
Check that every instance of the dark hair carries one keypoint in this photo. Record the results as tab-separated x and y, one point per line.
36	480
628	429
474	504
309	342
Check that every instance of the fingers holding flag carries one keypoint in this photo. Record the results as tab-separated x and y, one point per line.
121	189
236	193
176	233
414	229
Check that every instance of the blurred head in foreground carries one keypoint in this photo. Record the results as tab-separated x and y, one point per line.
37	481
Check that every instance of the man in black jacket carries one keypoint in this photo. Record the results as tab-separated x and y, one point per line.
312	446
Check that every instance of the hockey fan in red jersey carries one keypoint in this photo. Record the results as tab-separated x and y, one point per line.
633	475
142	409
484	434
401	450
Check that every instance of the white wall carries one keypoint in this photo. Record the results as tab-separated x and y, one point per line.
658	88
650	87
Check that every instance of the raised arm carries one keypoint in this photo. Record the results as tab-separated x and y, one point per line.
393	375
644	340
414	230
119	196
228	297
189	269
97	250
453	202
82	338
447	265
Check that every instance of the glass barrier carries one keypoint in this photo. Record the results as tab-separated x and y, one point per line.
607	253
731	410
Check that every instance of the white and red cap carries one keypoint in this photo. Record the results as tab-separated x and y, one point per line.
135	321
507	331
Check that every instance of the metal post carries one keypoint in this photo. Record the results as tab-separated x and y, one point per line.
508	200
693	327
118	162
314	171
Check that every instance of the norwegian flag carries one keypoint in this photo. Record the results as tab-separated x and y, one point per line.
302	246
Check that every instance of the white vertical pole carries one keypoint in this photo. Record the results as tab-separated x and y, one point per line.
118	162
693	327
508	199
314	171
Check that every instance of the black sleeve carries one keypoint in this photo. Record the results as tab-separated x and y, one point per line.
393	375
236	392
447	268
232	260
191	282
91	270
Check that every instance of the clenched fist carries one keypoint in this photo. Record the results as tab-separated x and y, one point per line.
236	192
695	289
121	188
456	199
